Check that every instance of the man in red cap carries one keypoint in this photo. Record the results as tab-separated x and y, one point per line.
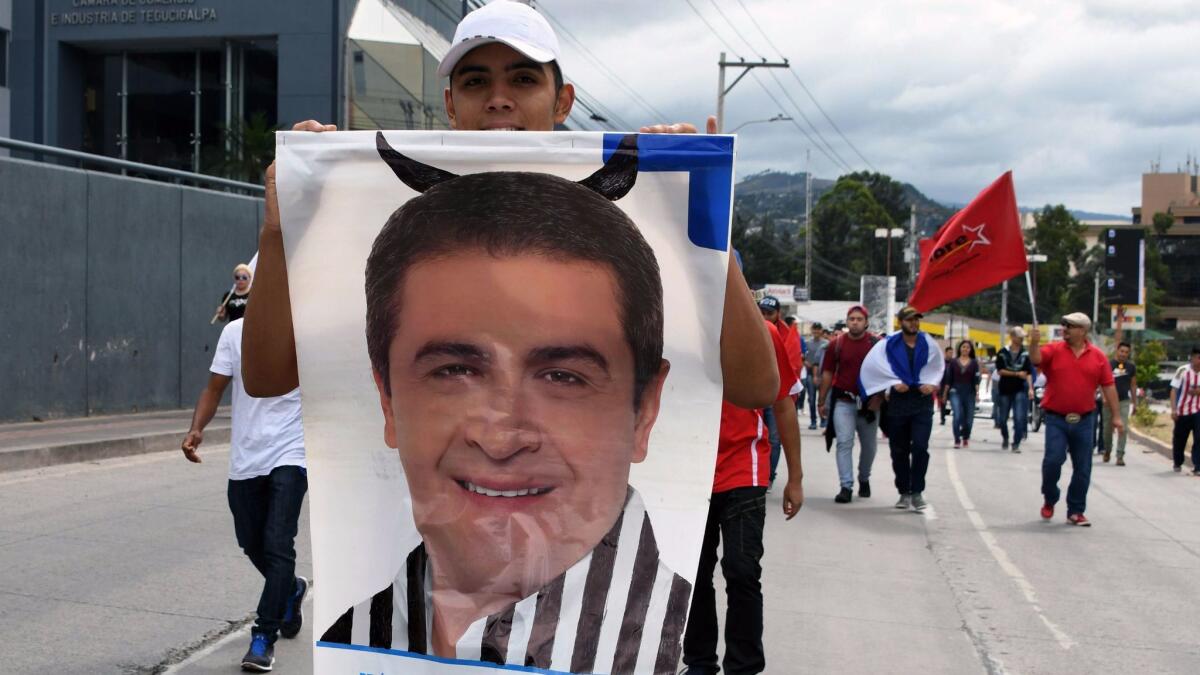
850	415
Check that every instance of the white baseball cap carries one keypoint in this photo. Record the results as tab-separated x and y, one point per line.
512	23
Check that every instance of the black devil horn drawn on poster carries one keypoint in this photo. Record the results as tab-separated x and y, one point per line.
612	181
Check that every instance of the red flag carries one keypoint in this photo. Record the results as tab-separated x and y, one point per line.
979	247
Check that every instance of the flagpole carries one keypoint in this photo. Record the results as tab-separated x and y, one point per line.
1032	302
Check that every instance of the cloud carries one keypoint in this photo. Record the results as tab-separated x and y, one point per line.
1075	96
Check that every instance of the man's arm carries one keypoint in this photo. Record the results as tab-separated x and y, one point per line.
826	383
747	356
1133	391
206	407
1174	412
1035	346
1109	391
268	343
788	425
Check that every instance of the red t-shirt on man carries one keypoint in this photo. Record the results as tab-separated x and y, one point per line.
744	450
845	361
1071	380
791	342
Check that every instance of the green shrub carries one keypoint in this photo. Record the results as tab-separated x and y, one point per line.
1143	416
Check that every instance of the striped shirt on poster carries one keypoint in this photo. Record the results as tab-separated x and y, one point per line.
1187	385
618	610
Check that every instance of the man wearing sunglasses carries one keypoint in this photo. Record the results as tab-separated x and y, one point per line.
1074	368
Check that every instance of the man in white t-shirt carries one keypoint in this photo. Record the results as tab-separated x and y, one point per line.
267	482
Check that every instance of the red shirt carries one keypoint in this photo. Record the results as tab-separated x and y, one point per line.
1071	380
744	450
791	341
845	361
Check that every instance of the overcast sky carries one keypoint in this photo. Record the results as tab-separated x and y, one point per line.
1077	97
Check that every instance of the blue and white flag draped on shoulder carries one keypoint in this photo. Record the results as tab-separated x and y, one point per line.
886	364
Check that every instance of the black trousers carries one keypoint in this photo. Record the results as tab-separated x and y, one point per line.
908	440
735	519
1186	425
266	513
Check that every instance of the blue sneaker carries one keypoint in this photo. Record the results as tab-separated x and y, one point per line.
293	618
261	655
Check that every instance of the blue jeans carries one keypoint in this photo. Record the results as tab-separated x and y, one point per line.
962	402
908	439
810	390
773	437
1063	438
266	513
1018	403
736	519
847	422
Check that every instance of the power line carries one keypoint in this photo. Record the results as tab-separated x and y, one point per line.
805	88
599	64
838	161
779	84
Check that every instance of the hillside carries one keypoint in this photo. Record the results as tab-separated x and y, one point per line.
773	195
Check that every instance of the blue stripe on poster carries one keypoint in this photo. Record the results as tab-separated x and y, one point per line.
708	160
437	659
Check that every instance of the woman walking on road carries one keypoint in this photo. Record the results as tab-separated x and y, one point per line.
961	385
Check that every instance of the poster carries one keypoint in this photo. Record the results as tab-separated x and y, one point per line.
508	349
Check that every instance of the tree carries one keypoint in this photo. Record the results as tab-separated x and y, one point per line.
1058	236
844	221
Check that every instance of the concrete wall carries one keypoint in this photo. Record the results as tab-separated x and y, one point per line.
109	284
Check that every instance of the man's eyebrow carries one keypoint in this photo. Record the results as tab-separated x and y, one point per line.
569	352
460	350
522	64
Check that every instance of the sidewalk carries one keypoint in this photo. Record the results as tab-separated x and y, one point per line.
32	445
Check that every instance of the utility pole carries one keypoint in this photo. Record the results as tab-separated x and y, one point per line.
913	254
1004	310
1096	305
808	228
722	90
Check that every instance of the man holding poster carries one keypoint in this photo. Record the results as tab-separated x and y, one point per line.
567	575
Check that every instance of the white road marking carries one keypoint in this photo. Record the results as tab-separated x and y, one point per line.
1001	556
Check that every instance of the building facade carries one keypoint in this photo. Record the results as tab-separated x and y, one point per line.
184	83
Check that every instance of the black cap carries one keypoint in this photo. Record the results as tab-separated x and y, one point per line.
769	304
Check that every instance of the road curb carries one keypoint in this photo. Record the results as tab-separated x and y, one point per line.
36	458
1145	439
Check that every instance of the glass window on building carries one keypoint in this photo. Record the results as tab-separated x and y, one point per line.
208	109
3	57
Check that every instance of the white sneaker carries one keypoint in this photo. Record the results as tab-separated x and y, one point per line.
905	502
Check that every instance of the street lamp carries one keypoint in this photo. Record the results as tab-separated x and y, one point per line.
778	118
889	234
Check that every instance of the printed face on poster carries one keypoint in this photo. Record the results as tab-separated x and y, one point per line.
508	348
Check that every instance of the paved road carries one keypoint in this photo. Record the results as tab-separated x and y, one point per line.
126	566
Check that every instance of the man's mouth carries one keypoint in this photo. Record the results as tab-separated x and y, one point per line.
490	492
503	129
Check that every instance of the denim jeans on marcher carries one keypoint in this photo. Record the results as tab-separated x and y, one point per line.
810	391
1018	403
846	424
735	522
908	441
773	438
266	514
1186	425
1062	439
962	403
